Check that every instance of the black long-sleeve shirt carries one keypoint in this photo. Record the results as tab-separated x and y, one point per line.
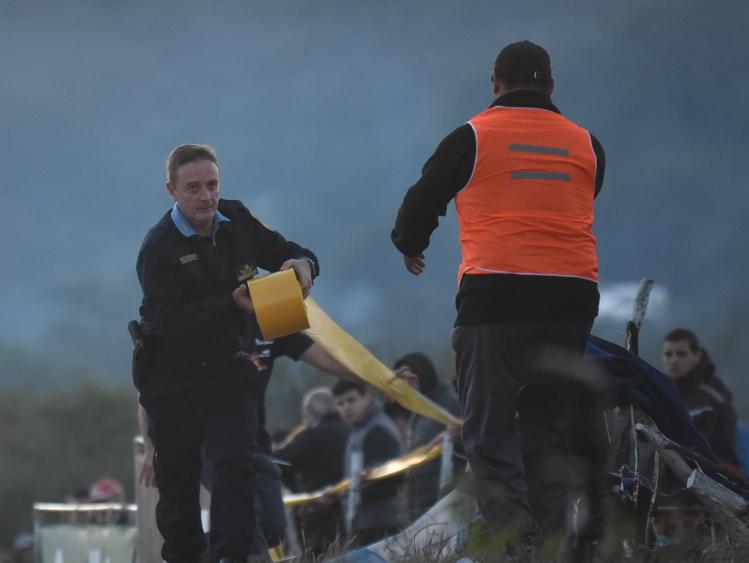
263	354
490	298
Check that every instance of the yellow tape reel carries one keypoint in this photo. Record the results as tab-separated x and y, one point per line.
279	305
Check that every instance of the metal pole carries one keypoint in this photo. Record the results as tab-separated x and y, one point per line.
354	492
446	462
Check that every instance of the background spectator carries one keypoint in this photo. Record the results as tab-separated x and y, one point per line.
424	481
707	398
374	437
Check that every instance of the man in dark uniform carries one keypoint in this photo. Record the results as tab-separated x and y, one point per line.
199	391
262	353
523	178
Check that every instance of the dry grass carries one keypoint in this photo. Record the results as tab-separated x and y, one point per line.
708	546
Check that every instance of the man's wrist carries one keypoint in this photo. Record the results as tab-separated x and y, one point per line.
312	268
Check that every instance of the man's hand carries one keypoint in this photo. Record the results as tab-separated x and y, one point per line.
146	474
303	270
242	298
405	373
415	264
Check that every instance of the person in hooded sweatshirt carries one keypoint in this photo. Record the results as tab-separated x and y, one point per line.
424	482
707	398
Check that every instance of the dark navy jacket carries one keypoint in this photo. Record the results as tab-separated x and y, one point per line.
187	285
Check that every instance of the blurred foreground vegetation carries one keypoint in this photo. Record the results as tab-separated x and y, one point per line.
60	440
64	425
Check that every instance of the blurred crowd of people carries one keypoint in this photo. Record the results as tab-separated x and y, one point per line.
347	428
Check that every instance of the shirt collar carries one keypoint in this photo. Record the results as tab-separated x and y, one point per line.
187	230
526	99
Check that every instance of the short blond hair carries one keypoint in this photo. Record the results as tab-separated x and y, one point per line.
183	154
318	402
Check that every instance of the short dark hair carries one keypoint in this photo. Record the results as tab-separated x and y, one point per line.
345	385
183	154
679	334
524	65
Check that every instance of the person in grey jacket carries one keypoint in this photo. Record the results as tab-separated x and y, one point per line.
424	481
374	438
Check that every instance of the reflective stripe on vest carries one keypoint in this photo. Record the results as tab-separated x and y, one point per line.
528	207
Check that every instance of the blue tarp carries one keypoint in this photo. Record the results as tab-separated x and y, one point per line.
633	380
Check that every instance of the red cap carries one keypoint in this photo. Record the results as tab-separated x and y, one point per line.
106	490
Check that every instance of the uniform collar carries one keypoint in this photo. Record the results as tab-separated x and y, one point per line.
186	229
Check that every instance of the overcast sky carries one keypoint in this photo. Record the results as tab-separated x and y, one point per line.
323	114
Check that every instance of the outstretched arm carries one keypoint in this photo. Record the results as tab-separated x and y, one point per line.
318	357
446	172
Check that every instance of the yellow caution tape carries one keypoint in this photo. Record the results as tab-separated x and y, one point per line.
299	499
279	305
344	348
419	456
403	464
277	300
276	553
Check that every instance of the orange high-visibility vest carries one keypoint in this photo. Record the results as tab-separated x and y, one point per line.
528	207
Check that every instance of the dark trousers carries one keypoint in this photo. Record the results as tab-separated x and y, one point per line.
519	417
269	503
269	508
220	419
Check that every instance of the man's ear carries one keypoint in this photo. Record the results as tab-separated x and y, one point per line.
496	84
550	87
172	190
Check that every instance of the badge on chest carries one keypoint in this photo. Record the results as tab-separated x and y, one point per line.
187	258
246	272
